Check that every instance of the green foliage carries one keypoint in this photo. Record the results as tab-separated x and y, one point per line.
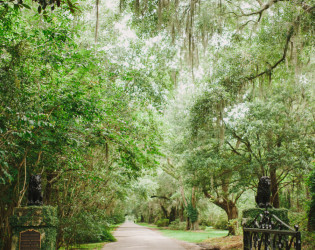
41	218
233	227
116	218
85	228
45	215
192	212
177	225
221	223
65	112
308	240
91	115
298	218
163	222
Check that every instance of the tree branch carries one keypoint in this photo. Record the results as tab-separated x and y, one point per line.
233	149
289	35
160	197
308	9
264	7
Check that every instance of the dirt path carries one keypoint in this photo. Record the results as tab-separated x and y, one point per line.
132	236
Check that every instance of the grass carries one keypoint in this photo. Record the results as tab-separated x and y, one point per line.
189	236
88	246
149	225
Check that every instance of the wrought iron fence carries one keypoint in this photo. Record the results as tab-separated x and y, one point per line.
267	231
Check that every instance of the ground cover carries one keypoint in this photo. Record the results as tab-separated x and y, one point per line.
189	236
97	246
222	243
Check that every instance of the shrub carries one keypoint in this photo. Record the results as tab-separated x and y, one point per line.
233	227
107	236
204	222
177	225
116	218
299	219
221	224
85	228
163	222
308	240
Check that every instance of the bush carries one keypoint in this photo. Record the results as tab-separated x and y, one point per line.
221	224
85	228
308	240
163	222
116	218
299	219
233	227
107	236
204	222
177	225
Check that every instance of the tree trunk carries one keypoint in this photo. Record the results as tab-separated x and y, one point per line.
274	187
181	213
97	20
164	211
232	211
187	223
311	219
228	206
48	188
173	213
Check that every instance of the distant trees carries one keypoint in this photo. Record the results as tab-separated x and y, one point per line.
249	109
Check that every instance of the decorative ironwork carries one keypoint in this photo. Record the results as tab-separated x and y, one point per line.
267	231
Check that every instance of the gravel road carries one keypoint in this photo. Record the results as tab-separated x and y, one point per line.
132	236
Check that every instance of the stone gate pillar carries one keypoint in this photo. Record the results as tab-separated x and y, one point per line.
34	227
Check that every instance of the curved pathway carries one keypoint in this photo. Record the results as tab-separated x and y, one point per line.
132	236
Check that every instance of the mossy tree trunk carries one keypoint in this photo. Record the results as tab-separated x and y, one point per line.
228	205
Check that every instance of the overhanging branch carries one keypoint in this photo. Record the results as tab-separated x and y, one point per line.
285	50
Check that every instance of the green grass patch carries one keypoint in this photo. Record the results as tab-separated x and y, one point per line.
97	246
113	227
148	225
189	236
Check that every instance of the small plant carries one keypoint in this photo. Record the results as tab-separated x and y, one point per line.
221	224
177	225
233	227
163	222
